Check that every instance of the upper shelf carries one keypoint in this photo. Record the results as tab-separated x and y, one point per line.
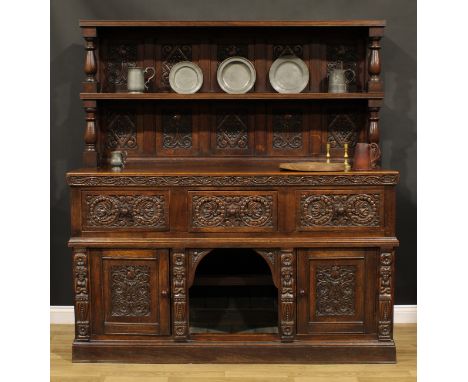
258	23
226	96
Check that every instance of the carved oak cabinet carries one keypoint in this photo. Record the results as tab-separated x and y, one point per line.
201	249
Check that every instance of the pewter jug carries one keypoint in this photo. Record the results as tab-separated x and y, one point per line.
117	158
136	79
339	79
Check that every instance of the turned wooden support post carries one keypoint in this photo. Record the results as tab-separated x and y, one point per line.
90	85
81	291
90	135
385	293
374	83
179	295
287	295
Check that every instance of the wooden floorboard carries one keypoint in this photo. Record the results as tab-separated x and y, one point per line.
63	370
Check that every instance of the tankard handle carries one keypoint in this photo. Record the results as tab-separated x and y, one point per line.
151	77
350	78
375	154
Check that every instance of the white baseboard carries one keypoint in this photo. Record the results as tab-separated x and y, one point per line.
404	314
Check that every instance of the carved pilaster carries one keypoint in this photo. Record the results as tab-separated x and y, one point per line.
287	295
81	290
90	136
375	66
90	84
385	285
179	293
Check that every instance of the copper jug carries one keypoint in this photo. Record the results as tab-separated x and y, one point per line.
366	156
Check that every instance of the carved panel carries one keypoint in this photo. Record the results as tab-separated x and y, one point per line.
177	130
287	50
110	211
121	132
81	289
121	56
385	296
340	210
287	131
347	57
232	131
342	128
335	290
171	54
229	50
130	291
287	295
179	293
233	211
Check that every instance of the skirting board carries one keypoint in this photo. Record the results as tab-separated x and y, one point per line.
404	314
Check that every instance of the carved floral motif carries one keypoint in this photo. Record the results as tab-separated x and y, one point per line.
287	295
342	128
110	211
287	131
81	289
121	57
385	296
179	292
171	55
340	210
177	131
287	50
230	50
121	131
130	291
232	211
232	132
335	289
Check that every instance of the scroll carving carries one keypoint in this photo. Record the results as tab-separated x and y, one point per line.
385	296
342	128
81	289
116	211
287	294
287	50
121	131
171	55
232	132
122	55
232	211
196	255
226	51
130	291
179	293
361	210
287	131
177	131
335	289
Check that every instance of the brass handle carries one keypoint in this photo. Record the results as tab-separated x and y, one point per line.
164	293
302	292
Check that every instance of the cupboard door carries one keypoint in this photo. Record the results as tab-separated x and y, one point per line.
335	289
131	292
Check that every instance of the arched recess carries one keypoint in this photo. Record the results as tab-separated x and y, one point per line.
270	255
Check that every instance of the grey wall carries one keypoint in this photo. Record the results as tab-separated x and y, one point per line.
398	117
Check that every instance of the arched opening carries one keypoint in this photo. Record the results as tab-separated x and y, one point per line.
233	292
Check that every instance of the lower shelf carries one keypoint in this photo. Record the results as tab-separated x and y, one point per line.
233	352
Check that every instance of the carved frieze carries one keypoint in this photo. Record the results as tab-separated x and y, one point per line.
121	56
120	130
287	131
229	50
287	295
179	293
360	210
287	50
177	130
81	289
385	296
171	54
232	211
232	132
126	211
342	128
130	291
335	290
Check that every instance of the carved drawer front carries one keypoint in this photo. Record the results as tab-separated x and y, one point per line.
335	291
232	211
334	209
122	210
131	292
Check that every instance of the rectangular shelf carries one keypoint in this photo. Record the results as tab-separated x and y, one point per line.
226	96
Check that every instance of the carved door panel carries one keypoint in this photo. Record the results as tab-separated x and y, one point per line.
130	292
335	291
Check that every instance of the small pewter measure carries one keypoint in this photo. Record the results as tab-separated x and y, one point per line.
339	78
117	159
136	79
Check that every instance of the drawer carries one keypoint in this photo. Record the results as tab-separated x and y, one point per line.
232	211
125	210
319	210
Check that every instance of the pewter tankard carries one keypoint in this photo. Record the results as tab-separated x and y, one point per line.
117	159
338	80
136	79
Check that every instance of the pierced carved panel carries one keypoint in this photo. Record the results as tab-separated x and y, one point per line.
130	291
177	130
287	131
288	50
344	56
229	50
232	132
121	56
335	290
171	54
121	131
126	211
342	128
346	210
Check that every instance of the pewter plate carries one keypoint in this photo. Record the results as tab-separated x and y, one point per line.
236	75
185	77
289	74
